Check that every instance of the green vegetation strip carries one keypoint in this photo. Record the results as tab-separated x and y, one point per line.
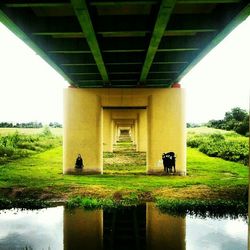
203	208
27	203
104	203
15	145
124	181
226	145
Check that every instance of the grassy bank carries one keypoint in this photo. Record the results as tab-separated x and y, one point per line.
21	143
227	145
29	131
40	177
124	182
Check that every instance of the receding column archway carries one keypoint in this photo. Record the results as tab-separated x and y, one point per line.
158	125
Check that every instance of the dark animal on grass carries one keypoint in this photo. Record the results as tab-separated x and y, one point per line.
169	161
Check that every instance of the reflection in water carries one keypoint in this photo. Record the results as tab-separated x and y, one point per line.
125	229
216	234
29	229
132	228
164	231
82	229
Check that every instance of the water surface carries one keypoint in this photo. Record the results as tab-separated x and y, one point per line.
144	227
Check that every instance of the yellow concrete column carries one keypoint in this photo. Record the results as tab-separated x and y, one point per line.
133	133
116	133
82	131
166	129
142	131
107	131
83	229
136	134
164	231
113	133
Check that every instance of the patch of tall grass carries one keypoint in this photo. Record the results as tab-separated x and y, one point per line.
103	203
228	146
14	146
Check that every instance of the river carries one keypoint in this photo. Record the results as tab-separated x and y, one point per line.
144	227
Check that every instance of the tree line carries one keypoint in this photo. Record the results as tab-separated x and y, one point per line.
237	120
28	125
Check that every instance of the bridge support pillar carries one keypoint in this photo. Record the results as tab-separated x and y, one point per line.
82	131
142	131
136	135
166	129
133	133
107	131
162	115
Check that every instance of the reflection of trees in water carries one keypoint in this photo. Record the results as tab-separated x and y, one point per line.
142	227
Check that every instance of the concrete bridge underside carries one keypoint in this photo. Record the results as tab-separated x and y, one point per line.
123	60
158	119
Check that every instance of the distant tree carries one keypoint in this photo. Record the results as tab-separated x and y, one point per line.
236	114
237	119
6	125
21	125
55	125
216	124
193	125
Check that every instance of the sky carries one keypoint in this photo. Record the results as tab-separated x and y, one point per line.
221	81
30	90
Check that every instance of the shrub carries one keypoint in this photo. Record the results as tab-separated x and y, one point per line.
195	141
231	147
6	151
17	145
216	137
46	131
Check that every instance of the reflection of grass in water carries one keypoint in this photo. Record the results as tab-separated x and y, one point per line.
28	203
203	208
124	160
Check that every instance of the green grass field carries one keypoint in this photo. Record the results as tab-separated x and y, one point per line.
227	145
204	131
20	143
40	176
29	131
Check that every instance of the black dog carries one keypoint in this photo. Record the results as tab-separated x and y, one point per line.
168	161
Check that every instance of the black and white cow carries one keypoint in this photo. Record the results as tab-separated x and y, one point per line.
169	161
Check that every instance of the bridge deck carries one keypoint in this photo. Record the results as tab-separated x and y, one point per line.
131	43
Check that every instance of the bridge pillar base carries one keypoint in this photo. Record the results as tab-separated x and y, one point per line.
166	129
82	131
